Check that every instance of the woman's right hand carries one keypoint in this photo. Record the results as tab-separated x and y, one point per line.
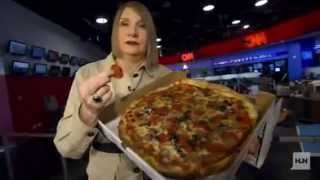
90	89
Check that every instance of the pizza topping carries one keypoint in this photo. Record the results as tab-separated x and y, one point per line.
161	111
154	119
147	110
164	137
116	71
177	106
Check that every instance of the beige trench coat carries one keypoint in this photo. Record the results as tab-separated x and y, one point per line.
73	137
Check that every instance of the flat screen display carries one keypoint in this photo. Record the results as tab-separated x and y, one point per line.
21	68
65	71
74	61
17	48
64	59
52	56
37	52
54	71
40	69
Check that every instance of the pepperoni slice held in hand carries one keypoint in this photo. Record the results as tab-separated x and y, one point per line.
116	71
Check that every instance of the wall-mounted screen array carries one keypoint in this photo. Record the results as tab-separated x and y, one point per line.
22	68
17	48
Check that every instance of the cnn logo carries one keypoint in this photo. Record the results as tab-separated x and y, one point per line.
301	161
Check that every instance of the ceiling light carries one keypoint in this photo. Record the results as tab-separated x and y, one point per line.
159	46
101	20
159	39
260	3
237	21
185	67
208	7
246	26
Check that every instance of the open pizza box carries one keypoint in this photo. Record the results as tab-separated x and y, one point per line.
110	130
264	136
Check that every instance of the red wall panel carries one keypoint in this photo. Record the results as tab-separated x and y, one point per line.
26	98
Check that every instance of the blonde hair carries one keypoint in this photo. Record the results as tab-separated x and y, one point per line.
151	51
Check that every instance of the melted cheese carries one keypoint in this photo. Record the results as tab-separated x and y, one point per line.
171	151
142	130
203	152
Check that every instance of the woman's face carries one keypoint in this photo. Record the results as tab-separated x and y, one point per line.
132	35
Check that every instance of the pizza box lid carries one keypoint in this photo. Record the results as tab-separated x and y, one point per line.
110	130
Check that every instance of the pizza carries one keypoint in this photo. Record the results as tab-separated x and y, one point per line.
116	71
189	128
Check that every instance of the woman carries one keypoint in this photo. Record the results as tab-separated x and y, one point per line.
94	93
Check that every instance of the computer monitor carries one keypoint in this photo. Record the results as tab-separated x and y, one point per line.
65	71
17	48
40	69
74	61
37	52
64	59
20	68
52	56
54	71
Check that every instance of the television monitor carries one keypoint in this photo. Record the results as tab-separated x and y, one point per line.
40	69
307	55
64	59
65	71
277	69
54	71
74	60
37	52
20	68
52	56
17	48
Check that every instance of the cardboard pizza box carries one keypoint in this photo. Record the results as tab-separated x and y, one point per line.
110	130
264	136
